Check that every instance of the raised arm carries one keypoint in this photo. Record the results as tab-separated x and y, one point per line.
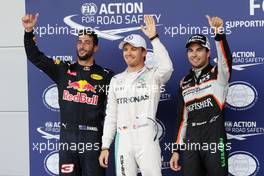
224	56
33	54
161	55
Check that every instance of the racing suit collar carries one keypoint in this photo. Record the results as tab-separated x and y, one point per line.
137	72
203	71
85	68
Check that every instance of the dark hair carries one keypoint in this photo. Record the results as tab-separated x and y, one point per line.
203	47
90	33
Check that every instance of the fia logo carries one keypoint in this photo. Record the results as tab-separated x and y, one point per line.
89	9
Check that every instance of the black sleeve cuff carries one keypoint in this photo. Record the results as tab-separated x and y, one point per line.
155	36
219	37
29	34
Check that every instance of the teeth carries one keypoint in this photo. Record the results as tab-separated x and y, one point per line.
195	59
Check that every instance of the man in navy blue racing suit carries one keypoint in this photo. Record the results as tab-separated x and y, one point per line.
82	99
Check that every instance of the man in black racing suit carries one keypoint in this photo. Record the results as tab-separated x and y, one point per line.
82	98
201	107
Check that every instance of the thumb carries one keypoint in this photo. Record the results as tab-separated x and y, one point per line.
175	164
172	163
106	160
36	17
143	28
209	20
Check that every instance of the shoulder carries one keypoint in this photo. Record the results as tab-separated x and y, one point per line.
105	72
62	64
119	75
108	71
186	79
118	78
182	80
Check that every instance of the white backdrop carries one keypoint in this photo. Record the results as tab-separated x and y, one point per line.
14	152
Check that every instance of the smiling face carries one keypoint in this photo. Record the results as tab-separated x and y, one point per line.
134	56
85	47
198	55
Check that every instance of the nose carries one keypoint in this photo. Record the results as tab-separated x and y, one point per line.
127	53
193	54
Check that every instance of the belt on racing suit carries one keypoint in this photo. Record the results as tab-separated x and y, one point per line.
135	126
81	127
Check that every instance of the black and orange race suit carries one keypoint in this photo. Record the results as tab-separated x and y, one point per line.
201	116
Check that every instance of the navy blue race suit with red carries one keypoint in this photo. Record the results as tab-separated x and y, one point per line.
201	116
82	100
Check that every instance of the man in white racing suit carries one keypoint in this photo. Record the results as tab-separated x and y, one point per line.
133	98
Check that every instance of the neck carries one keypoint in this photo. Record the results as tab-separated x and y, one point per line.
136	68
86	63
200	68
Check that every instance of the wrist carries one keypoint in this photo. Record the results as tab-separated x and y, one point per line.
28	29
155	36
104	148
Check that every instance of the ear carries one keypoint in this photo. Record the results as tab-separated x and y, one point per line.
208	54
95	48
144	52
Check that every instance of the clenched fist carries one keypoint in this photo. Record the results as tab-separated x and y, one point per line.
216	23
29	21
